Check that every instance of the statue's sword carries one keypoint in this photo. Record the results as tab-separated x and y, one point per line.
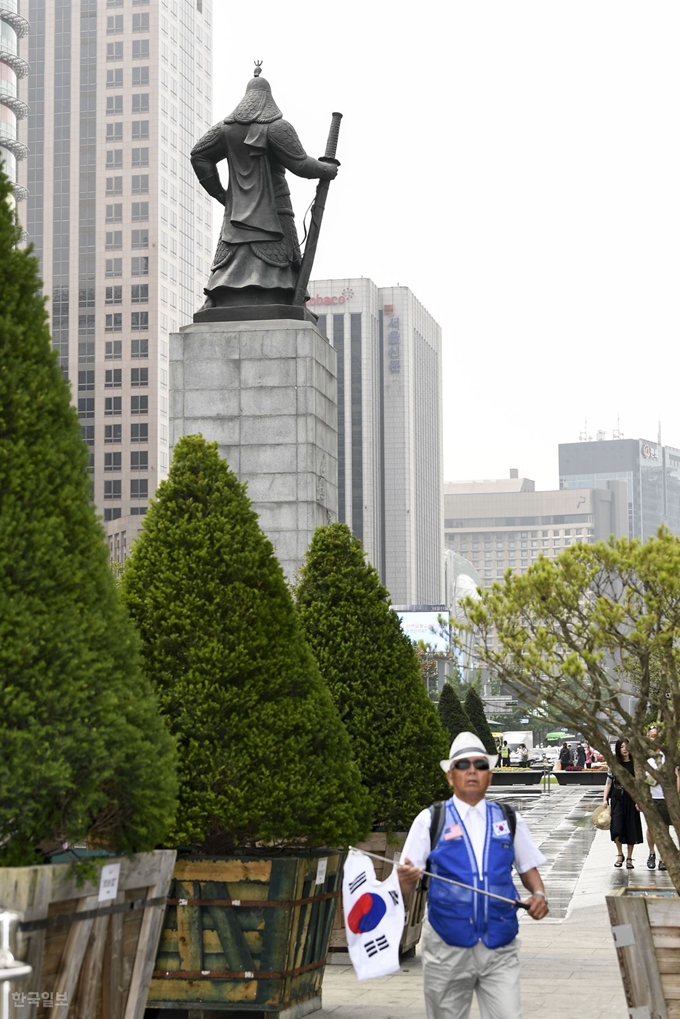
317	214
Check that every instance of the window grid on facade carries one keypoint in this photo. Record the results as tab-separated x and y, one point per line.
92	186
113	350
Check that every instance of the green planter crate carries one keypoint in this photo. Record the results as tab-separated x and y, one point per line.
91	959
247	933
645	924
587	777
513	776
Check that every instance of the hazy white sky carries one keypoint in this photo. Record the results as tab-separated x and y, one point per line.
517	165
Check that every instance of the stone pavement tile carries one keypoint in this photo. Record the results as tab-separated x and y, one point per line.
568	971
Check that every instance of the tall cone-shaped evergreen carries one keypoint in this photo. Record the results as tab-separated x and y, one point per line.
374	675
475	712
263	754
452	714
85	753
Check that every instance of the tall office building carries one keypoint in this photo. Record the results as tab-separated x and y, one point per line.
12	109
650	471
389	430
119	91
507	524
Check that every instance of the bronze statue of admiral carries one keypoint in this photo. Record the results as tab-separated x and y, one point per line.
257	262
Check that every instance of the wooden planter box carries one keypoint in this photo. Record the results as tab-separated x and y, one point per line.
90	958
512	776
646	931
414	902
581	777
247	933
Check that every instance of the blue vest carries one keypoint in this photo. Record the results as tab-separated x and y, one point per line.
461	917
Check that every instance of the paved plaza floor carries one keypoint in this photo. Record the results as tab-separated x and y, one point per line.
569	965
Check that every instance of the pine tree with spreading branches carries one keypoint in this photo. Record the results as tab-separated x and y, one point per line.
374	675
85	753
263	755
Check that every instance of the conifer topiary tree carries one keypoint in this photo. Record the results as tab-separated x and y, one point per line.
452	714
475	712
262	752
85	753
374	675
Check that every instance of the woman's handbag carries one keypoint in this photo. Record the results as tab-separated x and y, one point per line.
602	817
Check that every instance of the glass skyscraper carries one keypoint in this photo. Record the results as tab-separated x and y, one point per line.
13	27
651	472
119	91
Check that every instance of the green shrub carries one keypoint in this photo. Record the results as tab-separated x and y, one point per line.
475	712
452	714
374	675
85	753
262	752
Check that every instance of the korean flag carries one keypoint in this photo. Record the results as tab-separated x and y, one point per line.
374	917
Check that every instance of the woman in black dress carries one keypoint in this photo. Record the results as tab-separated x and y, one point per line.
626	826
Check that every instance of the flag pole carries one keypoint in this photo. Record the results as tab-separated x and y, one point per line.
517	903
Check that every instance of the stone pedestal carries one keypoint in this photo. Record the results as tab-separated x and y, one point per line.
266	393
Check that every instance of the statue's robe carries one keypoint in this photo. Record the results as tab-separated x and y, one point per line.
258	245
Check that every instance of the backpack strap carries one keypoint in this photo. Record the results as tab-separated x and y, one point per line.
437	815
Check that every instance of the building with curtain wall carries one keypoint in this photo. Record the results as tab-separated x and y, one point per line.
119	91
13	67
648	470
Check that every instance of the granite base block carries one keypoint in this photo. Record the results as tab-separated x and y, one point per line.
265	391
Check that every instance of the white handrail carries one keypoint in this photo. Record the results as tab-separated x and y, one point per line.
10	968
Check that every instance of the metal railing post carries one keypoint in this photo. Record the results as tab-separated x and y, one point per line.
10	968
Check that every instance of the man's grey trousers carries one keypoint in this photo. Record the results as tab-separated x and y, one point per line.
450	975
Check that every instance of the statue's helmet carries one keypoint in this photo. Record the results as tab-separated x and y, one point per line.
257	105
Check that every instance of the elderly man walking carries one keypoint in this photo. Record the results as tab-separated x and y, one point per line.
469	940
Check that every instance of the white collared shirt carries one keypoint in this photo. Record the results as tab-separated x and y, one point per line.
474	819
417	845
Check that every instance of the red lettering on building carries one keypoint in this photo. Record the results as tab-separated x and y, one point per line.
326	300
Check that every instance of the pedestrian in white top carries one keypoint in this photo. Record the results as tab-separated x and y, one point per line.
659	798
469	940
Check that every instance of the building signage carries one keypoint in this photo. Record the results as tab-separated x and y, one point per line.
393	338
649	452
344	297
425	626
327	300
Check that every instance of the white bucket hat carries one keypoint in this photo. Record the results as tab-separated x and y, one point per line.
466	744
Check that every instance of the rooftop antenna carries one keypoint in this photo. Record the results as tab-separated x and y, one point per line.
617	433
583	436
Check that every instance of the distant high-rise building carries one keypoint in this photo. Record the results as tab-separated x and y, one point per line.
389	430
651	473
119	91
12	109
507	524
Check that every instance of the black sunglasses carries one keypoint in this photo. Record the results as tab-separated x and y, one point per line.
479	763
